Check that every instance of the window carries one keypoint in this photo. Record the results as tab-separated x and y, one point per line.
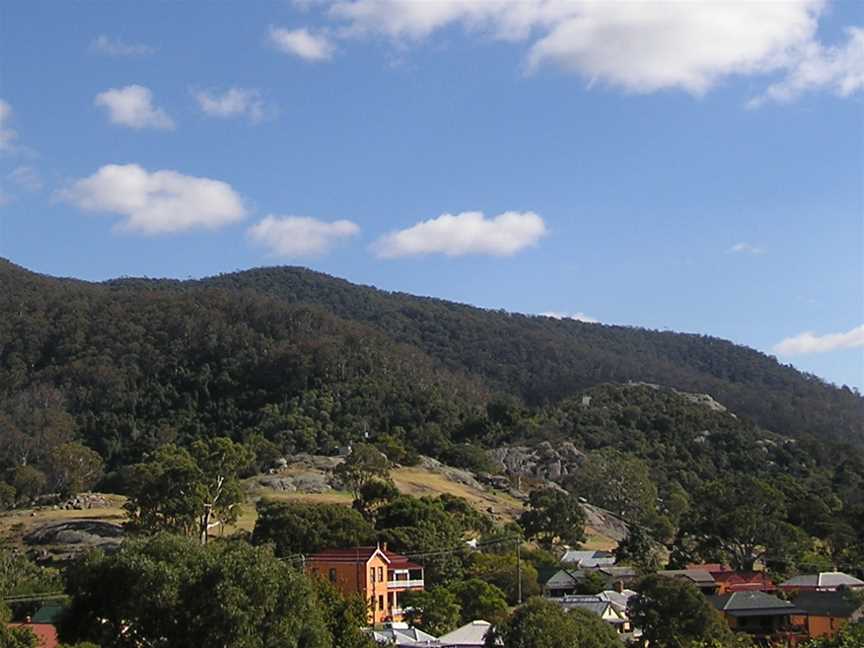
381	601
381	574
372	574
332	575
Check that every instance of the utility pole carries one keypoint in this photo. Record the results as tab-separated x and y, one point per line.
518	572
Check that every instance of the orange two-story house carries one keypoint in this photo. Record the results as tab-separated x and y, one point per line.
378	575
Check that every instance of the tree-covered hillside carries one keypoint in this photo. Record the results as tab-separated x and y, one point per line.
542	359
287	348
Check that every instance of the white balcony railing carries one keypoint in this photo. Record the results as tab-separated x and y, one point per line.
401	584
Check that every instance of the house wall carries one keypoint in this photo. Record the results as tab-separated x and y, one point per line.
370	580
820	626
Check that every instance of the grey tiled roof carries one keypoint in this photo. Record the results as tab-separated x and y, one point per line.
836	604
752	603
823	579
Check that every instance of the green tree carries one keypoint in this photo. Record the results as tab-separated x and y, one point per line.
187	491
435	611
296	527
544	624
739	521
638	549
618	482
7	496
346	617
29	482
171	591
373	494
554	517
480	600
422	525
72	468
364	464
674	614
500	570
20	576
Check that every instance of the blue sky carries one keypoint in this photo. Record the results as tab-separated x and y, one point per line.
690	166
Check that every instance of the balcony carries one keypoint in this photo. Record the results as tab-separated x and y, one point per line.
405	583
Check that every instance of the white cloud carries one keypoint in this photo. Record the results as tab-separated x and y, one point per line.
641	46
745	248
298	236
7	135
116	47
302	43
234	102
465	233
26	177
579	317
133	106
839	69
160	202
809	342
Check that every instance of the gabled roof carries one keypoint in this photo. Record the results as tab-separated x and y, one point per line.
363	555
588	558
618	599
563	579
470	634
698	576
823	579
743	581
752	604
835	604
403	636
351	555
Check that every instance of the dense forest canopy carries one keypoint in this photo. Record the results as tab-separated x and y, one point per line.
310	362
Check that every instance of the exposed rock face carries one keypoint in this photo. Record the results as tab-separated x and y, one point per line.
542	462
604	522
457	475
60	542
93	533
311	482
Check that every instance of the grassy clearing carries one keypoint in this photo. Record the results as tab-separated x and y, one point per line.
419	482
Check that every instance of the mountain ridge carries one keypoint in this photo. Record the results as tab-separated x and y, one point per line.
538	360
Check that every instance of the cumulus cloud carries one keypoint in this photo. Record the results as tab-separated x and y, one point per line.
234	102
465	233
809	342
116	47
302	43
159	202
641	46
745	248
299	236
839	69
26	177
132	106
579	317
7	135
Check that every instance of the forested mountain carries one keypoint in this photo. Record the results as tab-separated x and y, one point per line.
323	361
541	359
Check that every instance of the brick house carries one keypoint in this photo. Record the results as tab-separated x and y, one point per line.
378	575
825	613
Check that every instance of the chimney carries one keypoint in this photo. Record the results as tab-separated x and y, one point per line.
618	586
384	547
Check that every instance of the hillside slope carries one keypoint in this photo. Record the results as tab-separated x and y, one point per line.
263	347
543	359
